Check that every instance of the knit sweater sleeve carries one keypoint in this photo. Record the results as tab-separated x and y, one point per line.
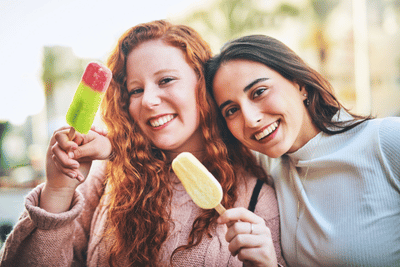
389	135
41	238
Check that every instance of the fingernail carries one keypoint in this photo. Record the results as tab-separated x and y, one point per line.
71	155
79	178
71	174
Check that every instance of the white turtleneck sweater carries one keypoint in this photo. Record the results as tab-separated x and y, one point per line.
349	203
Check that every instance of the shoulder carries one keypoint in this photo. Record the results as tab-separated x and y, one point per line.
389	140
386	130
266	205
389	127
383	136
267	163
388	124
374	131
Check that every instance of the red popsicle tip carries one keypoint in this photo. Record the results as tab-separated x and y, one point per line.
97	76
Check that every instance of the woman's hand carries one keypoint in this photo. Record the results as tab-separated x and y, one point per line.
74	157
249	238
67	164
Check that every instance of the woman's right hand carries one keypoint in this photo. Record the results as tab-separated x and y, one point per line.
249	238
68	163
73	158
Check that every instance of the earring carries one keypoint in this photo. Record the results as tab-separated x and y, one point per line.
307	100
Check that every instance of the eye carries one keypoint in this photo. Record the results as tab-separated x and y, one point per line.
166	80
259	91
135	92
230	111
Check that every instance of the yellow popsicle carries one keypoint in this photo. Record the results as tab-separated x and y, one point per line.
199	183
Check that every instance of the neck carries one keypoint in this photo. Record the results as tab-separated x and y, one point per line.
199	154
308	132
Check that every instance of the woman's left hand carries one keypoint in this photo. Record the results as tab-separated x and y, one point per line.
248	237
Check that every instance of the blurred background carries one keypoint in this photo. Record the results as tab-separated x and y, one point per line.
46	44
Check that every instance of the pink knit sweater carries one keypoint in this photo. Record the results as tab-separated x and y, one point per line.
75	237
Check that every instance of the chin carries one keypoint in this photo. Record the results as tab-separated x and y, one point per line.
272	153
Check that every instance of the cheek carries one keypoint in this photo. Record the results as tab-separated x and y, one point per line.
236	128
134	110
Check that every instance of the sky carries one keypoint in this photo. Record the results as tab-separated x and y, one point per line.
90	27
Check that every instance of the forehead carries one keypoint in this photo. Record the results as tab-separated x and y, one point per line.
241	67
155	53
240	73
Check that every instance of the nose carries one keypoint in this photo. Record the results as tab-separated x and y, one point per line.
252	115
151	97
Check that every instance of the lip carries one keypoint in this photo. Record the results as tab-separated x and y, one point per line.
266	133
161	121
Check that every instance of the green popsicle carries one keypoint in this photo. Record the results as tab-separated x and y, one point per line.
87	98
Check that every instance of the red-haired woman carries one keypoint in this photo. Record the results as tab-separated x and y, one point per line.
132	210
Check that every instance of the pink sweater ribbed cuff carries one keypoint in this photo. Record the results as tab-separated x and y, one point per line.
46	220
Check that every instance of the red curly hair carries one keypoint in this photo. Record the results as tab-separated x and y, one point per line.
139	174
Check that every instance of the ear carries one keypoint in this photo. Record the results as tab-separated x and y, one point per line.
303	91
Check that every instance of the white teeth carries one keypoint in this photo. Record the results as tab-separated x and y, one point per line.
266	131
161	120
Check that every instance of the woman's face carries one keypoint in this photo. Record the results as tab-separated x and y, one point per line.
262	109
162	89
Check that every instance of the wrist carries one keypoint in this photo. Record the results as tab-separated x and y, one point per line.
56	200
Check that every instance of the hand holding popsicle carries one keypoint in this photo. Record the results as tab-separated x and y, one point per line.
249	238
63	172
60	168
255	245
61	176
70	156
199	183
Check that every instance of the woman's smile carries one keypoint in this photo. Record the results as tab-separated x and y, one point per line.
161	120
267	131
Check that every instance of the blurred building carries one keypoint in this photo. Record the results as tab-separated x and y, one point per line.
383	53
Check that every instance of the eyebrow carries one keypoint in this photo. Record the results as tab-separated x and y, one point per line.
155	74
165	70
247	88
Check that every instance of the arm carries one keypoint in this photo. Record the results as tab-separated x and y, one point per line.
67	165
56	236
41	238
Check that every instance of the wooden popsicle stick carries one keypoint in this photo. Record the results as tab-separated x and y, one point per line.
220	209
71	133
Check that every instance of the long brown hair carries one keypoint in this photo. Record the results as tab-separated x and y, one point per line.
138	175
323	104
